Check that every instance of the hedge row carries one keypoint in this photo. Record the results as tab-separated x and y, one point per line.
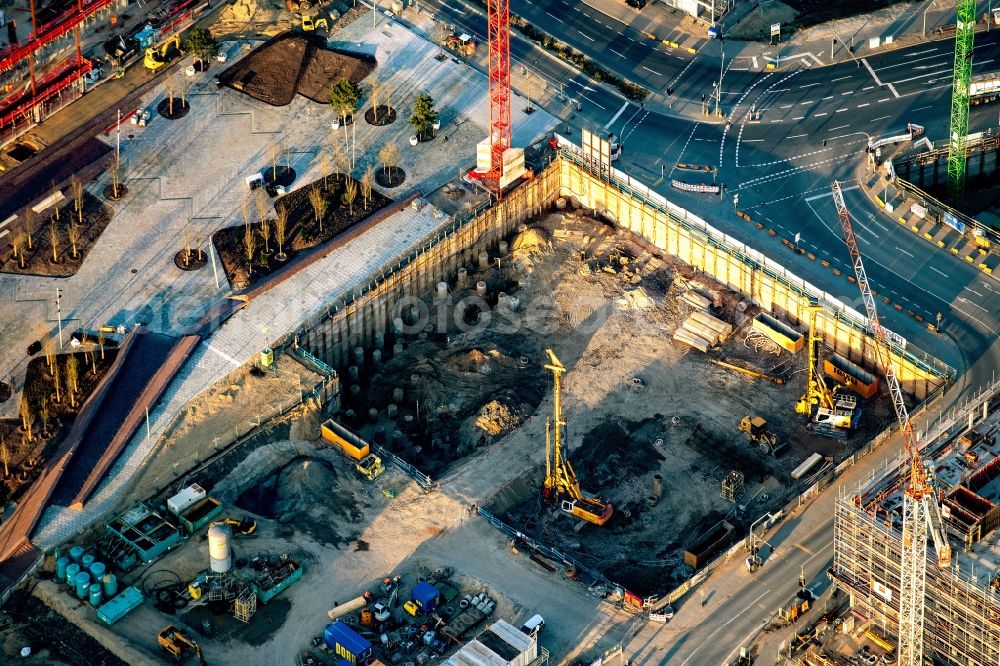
566	52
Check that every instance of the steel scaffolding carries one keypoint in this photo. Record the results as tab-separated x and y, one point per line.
961	613
958	133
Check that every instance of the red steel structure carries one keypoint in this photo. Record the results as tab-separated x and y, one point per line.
498	32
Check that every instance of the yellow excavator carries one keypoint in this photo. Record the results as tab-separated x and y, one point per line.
370	467
157	57
560	479
831	411
176	644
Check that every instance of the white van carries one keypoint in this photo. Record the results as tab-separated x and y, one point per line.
534	625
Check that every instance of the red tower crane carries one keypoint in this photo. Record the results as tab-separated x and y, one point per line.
498	33
921	513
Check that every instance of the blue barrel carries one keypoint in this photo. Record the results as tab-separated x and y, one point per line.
61	565
75	553
95	594
97	570
86	561
72	570
82	584
110	585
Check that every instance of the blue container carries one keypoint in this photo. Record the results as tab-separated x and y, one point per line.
71	571
426	596
86	561
95	594
347	643
110	585
82	584
97	570
61	565
75	553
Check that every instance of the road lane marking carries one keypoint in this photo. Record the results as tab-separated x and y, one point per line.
885	99
975	305
860	106
830	194
937	271
875	76
821	114
842	78
651	70
972	290
554	16
834	129
806	102
620	55
796	136
880	118
923	107
828	97
840	110
849	92
904	251
583	34
726	624
752	140
755	62
809	85
799	118
869	88
786	106
617	115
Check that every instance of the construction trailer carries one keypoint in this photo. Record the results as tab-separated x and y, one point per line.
348	644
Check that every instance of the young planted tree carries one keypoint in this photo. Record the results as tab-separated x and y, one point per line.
16	244
50	354
170	95
27	418
29	226
55	209
275	156
388	155
5	456
376	89
76	187
249	245
44	415
245	210
74	236
424	116
318	203
339	161
260	202
280	226
101	337
72	378
265	232
57	384
367	183
116	175
350	193
54	239
187	246
201	45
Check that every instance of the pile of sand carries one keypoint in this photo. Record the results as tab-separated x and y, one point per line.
497	418
301	485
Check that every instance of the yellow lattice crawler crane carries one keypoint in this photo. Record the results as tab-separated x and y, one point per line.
560	479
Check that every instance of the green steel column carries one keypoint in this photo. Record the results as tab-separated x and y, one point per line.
965	33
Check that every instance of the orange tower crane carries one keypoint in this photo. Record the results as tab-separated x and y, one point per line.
921	512
498	34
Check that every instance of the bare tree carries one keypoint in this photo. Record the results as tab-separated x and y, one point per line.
265	232
29	226
250	245
326	166
72	378
389	156
280	226
101	337
260	202
245	210
16	244
54	239
44	415
170	95
74	236
5	455
340	162
318	202
50	353
93	360
350	193
55	207
275	155
187	246
27	418
367	183
376	88
76	187
57	383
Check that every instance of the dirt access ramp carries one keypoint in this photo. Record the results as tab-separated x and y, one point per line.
295	63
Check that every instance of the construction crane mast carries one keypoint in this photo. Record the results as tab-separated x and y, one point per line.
498	35
958	133
560	479
921	512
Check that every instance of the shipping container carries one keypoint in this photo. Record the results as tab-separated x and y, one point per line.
850	375
345	440
347	644
785	336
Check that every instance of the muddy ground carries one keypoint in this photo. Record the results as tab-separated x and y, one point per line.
295	63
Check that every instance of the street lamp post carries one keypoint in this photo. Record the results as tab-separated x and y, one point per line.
929	5
59	314
718	92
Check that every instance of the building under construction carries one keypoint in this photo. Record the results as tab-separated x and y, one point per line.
962	603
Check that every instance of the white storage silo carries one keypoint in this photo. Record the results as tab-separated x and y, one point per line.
220	553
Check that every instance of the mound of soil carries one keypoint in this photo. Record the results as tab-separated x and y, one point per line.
38	260
391	177
293	63
172	111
